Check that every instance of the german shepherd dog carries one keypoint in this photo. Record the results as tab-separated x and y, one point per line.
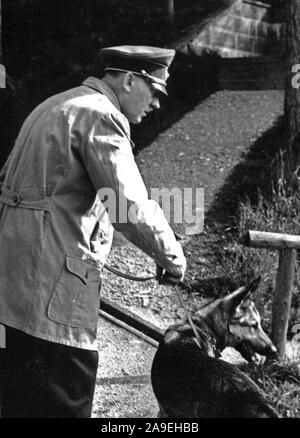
190	381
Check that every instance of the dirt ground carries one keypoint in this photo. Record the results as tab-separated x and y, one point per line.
202	149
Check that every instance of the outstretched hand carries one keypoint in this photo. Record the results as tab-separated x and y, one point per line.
165	277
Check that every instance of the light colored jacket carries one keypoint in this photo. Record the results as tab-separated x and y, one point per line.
55	232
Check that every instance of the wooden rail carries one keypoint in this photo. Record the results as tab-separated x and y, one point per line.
287	246
132	320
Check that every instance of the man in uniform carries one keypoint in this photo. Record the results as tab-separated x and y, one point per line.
56	230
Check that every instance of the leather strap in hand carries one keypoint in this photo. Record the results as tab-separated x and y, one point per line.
165	277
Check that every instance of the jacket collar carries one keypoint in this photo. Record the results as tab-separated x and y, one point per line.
103	88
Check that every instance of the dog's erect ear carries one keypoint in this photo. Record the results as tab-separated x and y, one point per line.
235	298
252	287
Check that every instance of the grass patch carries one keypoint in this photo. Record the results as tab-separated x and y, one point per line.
281	383
273	206
279	213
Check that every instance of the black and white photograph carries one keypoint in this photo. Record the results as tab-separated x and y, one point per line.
149	211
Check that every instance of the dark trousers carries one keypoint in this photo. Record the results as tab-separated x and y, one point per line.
41	379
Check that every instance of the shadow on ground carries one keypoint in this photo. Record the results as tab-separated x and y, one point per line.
253	175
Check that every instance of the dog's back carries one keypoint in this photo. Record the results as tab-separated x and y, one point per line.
190	384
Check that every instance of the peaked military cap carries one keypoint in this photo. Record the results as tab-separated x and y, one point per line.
150	62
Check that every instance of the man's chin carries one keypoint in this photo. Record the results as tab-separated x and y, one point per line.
137	120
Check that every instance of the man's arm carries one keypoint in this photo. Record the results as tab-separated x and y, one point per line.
110	163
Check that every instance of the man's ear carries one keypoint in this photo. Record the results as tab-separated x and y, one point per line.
128	81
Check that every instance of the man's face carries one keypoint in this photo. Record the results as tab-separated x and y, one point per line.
140	100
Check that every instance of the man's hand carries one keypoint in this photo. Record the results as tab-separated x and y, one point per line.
165	277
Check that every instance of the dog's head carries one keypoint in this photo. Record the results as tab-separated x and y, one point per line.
236	322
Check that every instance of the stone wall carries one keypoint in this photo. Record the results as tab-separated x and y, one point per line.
247	28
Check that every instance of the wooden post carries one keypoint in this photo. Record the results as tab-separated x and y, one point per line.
282	298
260	239
287	244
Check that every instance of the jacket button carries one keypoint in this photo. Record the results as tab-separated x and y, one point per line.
16	199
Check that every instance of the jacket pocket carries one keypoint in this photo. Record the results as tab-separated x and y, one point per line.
75	300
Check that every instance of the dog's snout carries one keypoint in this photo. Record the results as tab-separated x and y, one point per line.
270	351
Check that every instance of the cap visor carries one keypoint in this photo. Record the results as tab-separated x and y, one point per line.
159	87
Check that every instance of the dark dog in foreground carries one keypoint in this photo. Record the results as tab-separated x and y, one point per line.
189	381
